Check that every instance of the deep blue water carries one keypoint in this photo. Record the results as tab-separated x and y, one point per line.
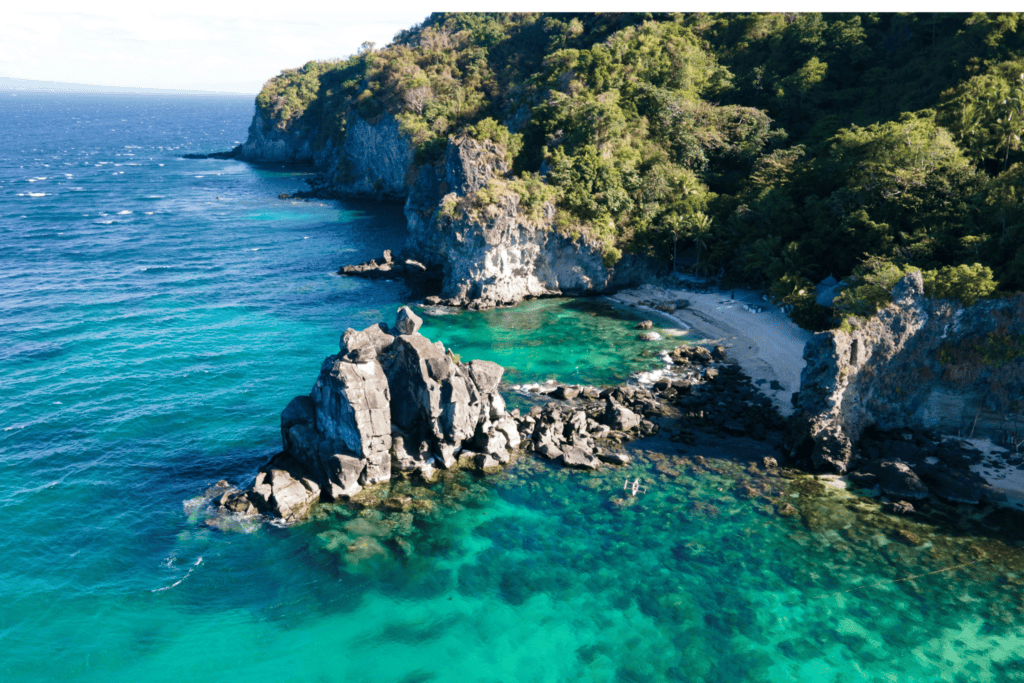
156	314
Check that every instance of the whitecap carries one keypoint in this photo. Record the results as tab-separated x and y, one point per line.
149	213
58	403
305	238
123	213
38	194
256	249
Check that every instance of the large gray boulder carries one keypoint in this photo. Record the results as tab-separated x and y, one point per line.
284	488
897	480
384	404
353	410
407	322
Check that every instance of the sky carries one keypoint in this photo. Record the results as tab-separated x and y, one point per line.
228	47
231	46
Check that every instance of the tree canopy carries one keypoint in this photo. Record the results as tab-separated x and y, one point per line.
780	147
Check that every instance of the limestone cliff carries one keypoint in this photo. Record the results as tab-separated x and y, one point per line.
271	142
466	219
371	160
918	363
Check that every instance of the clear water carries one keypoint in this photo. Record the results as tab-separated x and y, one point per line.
156	314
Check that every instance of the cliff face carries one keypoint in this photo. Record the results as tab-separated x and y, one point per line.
269	143
493	248
464	218
373	161
918	363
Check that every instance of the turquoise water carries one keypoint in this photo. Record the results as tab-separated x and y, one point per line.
156	315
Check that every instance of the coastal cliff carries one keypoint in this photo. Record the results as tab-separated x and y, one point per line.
918	364
495	241
493	237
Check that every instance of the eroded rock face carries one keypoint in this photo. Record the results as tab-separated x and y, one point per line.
500	252
917	364
389	402
269	143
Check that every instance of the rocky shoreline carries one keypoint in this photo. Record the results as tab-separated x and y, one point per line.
393	407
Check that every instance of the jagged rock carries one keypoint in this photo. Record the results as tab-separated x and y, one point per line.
897	480
407	322
577	457
564	393
488	462
352	410
300	411
645	325
344	474
549	451
614	458
648	336
239	503
339	438
954	487
285	488
617	416
718	353
900	507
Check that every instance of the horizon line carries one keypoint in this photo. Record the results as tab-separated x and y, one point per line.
11	83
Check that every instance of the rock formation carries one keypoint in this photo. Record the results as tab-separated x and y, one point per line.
465	220
389	403
917	364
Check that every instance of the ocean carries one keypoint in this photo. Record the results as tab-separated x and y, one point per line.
157	314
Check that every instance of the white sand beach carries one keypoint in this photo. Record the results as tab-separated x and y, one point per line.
756	334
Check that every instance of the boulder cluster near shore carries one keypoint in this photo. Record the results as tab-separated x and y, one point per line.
393	404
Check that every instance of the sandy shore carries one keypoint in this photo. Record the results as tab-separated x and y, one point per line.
756	334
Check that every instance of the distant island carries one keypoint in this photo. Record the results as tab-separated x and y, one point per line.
24	84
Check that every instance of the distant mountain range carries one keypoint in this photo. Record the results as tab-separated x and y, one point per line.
25	84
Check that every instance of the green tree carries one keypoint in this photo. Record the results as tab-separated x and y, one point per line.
965	283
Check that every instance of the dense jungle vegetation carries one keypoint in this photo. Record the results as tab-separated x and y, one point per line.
779	148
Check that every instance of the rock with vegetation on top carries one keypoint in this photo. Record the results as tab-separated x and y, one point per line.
917	363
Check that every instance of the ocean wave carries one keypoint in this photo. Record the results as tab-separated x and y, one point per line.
123	213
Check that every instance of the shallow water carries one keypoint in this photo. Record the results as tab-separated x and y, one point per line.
148	354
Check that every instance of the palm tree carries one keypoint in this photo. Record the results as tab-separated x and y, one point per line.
699	228
1011	124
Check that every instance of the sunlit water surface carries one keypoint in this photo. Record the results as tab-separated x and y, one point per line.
156	314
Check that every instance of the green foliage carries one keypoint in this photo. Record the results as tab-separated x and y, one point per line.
489	129
781	146
869	287
965	283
